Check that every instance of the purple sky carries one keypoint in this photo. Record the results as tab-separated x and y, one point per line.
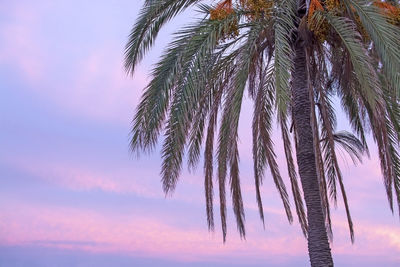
71	194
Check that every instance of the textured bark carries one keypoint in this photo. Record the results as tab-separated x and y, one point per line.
318	245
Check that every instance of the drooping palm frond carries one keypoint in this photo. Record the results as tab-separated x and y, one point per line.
150	113
227	140
395	156
361	62
261	89
344	81
298	199
283	57
383	125
328	122
392	104
224	75
215	80
259	158
331	162
173	88
153	15
263	152
381	137
385	37
351	144
208	171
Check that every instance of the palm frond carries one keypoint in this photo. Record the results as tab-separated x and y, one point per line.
298	198
392	105
224	77
385	36
351	144
186	97
332	165
153	15
327	131
361	62
208	171
236	192
344	80
180	75
283	57
386	137
380	134
213	80
229	126
353	113
263	153
259	159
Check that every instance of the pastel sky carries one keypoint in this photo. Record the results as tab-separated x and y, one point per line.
71	194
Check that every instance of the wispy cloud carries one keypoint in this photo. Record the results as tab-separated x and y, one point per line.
76	177
87	230
69	228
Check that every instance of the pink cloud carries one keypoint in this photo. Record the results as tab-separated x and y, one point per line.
135	234
372	239
118	179
141	182
74	228
132	234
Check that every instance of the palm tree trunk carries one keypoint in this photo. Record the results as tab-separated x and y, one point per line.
318	245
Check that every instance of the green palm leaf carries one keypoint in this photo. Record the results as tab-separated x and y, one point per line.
153	15
385	37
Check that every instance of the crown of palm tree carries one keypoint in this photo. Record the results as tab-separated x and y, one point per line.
352	54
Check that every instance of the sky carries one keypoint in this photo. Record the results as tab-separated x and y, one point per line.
72	194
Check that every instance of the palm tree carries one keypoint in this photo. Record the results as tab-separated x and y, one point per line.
295	58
